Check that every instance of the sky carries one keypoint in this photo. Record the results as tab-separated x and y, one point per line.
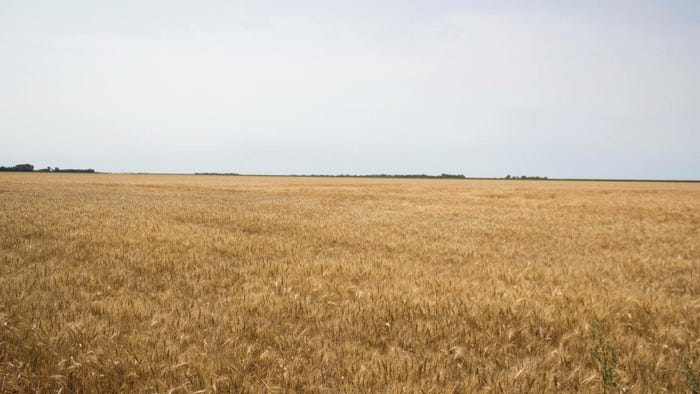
574	89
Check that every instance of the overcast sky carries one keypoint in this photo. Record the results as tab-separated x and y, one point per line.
591	88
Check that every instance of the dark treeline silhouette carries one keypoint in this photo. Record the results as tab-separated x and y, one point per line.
217	173
30	168
18	168
526	177
77	170
441	176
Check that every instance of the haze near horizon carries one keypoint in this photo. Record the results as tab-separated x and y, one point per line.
599	89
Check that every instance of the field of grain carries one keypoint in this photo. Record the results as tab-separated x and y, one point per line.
147	283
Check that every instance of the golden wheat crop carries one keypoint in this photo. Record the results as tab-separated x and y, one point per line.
144	283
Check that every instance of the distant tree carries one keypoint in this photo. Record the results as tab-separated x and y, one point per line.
526	177
19	167
454	176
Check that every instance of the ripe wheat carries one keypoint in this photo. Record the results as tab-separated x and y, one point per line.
139	283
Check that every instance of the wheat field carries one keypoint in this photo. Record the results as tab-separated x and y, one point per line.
175	283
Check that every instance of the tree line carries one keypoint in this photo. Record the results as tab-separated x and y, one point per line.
30	168
441	176
526	177
18	168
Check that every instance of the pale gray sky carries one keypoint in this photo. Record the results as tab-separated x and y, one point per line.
554	88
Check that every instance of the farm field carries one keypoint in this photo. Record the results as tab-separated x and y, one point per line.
153	283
